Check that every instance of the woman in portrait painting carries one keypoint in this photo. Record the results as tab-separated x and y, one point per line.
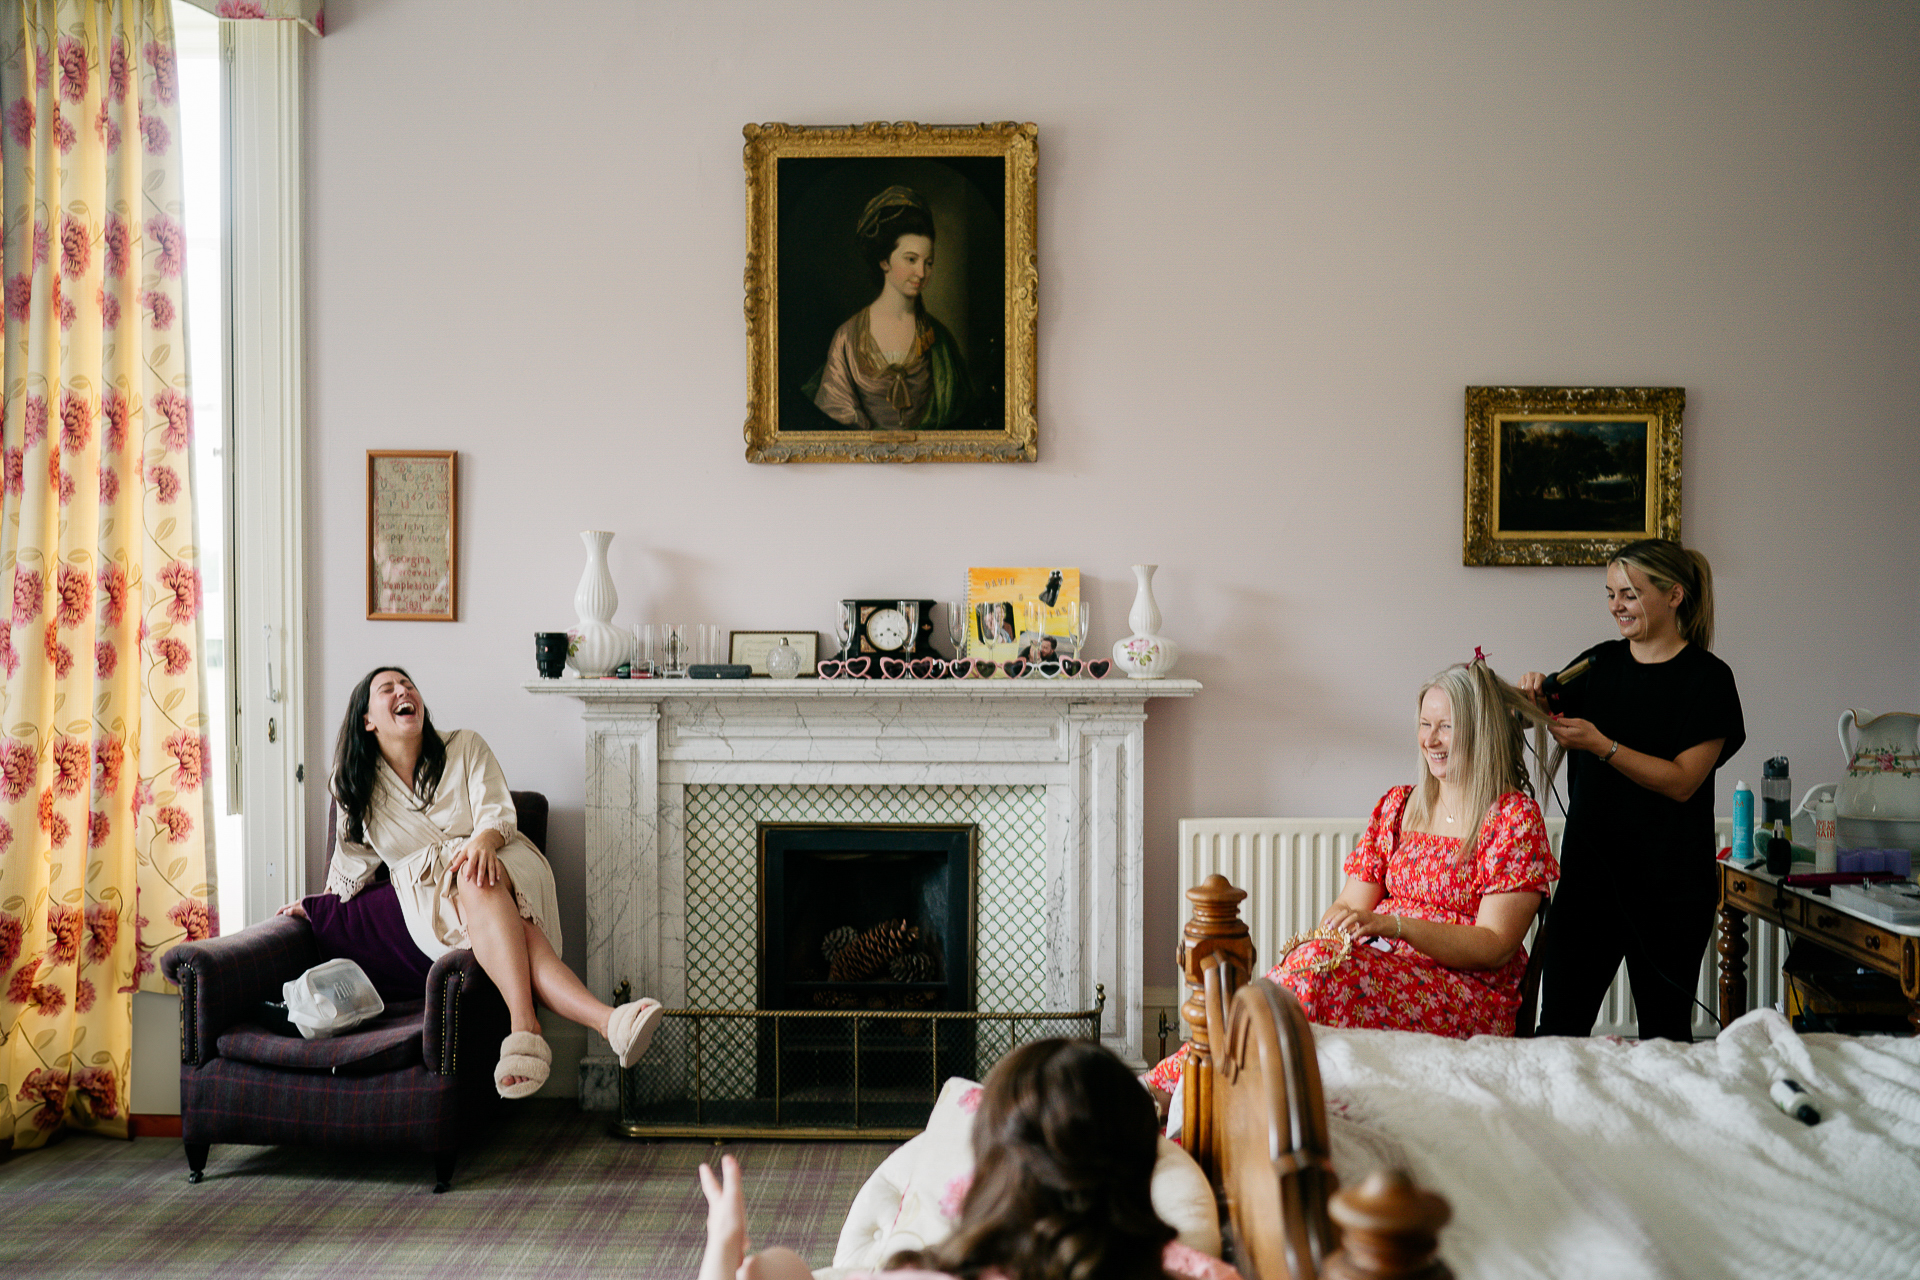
891	366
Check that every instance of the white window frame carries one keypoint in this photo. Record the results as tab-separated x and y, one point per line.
266	425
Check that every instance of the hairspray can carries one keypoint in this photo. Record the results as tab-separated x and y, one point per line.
1825	855
1742	823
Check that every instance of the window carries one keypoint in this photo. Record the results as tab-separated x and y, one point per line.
240	109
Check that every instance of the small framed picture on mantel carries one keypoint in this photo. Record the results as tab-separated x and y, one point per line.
1569	475
413	565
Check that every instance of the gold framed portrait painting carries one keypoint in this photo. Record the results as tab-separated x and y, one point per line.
890	293
1569	475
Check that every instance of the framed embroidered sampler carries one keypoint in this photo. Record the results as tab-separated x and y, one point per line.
413	565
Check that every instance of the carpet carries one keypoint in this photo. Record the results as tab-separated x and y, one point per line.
547	1193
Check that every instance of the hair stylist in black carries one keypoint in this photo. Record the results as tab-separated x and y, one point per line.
1644	726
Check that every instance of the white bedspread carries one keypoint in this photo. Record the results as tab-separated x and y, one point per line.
1605	1158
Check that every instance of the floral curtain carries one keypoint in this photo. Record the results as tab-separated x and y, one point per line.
105	859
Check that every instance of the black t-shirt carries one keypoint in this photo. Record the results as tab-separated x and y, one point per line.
1615	825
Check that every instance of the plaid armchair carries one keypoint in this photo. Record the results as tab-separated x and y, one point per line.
419	1076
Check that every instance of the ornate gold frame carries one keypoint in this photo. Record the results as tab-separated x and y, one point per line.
1485	540
766	146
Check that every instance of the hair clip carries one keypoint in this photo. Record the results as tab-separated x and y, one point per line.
1477	656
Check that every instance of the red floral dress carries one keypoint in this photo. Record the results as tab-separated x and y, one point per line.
1400	988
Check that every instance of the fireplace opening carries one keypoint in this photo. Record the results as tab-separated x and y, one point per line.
871	916
875	920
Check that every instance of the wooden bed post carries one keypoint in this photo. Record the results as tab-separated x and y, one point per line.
1215	928
1388	1228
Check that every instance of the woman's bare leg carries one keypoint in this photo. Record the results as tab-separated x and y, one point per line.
499	940
559	987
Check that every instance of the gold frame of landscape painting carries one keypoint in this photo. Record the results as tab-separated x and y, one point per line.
1569	475
821	201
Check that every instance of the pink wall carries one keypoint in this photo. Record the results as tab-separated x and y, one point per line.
1277	241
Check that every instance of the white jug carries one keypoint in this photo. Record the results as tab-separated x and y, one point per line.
1878	802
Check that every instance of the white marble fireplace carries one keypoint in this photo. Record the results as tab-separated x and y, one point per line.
1078	744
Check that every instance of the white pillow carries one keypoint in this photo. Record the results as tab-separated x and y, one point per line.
913	1199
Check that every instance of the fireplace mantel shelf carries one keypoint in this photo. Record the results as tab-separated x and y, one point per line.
1113	689
1080	742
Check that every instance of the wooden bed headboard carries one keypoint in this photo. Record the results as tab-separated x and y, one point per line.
1255	1119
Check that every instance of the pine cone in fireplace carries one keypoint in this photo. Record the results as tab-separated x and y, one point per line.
869	953
912	966
835	941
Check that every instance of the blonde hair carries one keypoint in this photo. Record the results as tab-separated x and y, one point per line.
1489	746
1666	565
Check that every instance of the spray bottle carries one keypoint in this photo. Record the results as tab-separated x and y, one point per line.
1742	823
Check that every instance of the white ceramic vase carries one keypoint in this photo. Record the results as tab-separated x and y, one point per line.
598	646
1146	654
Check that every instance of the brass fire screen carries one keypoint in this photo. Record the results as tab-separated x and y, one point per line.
818	1074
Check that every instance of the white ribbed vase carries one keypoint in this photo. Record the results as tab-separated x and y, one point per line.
599	646
1146	654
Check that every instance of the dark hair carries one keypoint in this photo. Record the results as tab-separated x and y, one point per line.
895	212
1064	1146
1667	564
356	758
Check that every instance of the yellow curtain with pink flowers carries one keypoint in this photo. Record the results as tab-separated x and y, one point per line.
104	834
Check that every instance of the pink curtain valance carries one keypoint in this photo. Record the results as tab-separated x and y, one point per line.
308	13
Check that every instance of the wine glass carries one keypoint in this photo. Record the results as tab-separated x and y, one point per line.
910	610
843	628
959	621
1079	622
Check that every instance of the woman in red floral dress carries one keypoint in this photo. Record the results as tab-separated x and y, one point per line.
1441	888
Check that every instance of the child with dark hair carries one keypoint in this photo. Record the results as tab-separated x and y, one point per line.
1064	1146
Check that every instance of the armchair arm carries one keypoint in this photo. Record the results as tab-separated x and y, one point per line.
221	980
464	1013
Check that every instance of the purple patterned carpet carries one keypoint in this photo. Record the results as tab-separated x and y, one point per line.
549	1194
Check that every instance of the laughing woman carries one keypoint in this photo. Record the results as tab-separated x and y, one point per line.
1426	933
1645	727
434	808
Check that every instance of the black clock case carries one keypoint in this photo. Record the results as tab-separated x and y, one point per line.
922	640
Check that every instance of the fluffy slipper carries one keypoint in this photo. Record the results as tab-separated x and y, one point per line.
630	1029
526	1056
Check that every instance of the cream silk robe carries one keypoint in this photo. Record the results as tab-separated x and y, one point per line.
417	843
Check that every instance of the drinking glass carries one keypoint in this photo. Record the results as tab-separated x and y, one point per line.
642	661
1079	622
959	624
843	628
674	656
910	610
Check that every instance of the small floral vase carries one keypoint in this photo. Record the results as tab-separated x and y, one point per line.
599	646
1145	655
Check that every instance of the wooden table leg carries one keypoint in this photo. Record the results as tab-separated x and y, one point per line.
1733	964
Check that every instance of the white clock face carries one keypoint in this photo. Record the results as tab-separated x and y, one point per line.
886	629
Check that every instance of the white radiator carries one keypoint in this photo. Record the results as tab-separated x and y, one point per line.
1290	868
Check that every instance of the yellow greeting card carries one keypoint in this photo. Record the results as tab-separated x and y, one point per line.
1014	613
